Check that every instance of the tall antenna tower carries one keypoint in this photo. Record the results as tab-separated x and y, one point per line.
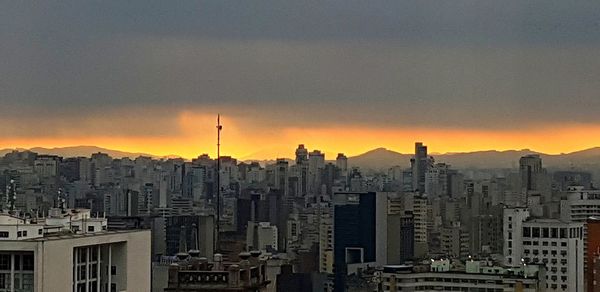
218	229
11	196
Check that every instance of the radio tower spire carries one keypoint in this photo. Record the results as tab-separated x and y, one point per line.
218	229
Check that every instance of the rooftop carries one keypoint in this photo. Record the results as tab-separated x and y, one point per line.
68	235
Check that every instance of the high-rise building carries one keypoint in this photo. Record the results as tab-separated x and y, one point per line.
400	236
486	233
282	176
262	236
592	254
359	233
300	172
441	180
556	244
326	245
594	281
421	212
512	234
579	204
170	234
47	165
301	154
565	179
316	164
341	162
420	165
529	167
455	241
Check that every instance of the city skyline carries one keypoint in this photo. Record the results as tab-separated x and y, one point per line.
196	136
139	147
297	146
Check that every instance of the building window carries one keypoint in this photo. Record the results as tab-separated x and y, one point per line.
4	234
5	260
87	264
90	228
40	231
16	272
563	233
19	234
24	233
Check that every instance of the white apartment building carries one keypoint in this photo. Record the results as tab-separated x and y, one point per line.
554	243
580	204
326	246
475	277
35	256
513	223
261	236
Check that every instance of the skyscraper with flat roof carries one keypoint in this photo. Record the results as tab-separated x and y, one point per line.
420	164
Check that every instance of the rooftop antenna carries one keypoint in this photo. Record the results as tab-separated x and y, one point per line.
7	196
61	201
218	229
11	196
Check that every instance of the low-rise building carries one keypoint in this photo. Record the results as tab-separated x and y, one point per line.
476	276
191	273
36	256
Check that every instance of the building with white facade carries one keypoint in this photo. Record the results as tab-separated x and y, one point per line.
261	236
476	276
579	204
554	243
58	254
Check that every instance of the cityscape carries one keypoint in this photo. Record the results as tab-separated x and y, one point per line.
299	146
304	224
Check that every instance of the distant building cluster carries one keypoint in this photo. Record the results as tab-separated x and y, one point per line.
301	224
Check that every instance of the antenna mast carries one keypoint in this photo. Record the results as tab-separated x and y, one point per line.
218	229
11	196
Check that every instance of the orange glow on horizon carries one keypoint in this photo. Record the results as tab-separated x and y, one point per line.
251	142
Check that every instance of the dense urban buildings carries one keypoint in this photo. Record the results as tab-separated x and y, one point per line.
283	146
310	222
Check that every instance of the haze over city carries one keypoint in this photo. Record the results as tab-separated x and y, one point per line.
300	146
342	76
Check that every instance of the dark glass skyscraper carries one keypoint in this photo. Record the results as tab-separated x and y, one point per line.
354	232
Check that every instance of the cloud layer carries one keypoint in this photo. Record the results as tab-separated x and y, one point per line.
134	68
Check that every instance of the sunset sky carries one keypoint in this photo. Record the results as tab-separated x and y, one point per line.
339	76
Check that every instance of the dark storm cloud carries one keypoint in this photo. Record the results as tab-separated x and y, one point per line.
491	64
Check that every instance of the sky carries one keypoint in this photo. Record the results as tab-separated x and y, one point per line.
339	76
